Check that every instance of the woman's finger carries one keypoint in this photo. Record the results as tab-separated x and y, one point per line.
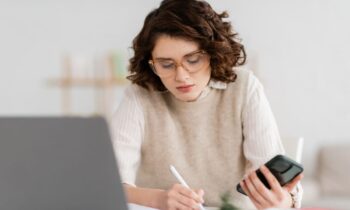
173	204
264	196
290	186
190	194
271	179
186	196
186	201
200	193
250	190
243	184
186	192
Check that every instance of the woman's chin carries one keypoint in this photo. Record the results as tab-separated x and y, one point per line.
187	97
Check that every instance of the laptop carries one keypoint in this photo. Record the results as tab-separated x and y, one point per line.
58	163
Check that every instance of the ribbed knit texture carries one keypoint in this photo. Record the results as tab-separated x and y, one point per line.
212	142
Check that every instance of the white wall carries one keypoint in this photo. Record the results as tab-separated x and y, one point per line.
35	34
298	49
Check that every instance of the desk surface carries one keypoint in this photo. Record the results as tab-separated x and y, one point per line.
138	207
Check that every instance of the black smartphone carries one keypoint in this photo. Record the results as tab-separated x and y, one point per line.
282	167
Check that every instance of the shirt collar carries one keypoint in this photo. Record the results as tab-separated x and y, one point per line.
212	85
217	84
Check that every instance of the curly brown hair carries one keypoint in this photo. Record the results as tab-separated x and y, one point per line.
192	20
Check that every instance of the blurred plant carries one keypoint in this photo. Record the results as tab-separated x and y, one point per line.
226	205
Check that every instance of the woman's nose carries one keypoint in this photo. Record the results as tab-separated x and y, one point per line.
181	74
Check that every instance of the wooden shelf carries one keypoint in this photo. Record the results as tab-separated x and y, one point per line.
79	74
102	102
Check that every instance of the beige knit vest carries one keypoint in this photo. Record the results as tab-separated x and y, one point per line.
202	139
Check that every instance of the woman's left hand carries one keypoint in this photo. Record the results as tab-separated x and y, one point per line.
262	197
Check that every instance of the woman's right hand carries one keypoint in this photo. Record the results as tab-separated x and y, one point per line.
179	197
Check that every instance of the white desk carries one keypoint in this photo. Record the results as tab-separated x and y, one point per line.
138	207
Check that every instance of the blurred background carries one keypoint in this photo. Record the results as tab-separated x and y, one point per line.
70	57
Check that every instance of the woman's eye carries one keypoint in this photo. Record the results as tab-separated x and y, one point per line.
167	65
193	59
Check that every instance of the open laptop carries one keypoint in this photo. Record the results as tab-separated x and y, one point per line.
58	163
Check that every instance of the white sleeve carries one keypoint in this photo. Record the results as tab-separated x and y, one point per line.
261	137
127	131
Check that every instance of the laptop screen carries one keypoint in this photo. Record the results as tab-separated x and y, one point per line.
58	163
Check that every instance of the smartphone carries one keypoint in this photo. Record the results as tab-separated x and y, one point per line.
282	167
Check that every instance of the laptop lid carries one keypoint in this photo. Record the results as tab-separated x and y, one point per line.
58	163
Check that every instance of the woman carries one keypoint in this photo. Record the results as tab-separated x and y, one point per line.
192	106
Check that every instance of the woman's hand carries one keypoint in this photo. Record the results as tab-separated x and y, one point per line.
262	197
181	198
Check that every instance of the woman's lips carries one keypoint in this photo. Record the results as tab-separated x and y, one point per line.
185	88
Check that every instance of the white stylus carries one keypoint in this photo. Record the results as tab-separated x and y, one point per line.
182	181
299	150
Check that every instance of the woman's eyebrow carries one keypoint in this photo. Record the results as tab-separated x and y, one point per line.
164	58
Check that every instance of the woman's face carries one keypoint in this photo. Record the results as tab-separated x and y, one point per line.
182	67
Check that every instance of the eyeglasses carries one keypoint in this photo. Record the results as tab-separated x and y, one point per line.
192	62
